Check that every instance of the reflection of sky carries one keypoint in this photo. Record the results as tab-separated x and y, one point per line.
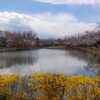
53	61
83	71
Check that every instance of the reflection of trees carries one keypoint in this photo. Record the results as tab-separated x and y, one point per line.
17	58
92	60
86	56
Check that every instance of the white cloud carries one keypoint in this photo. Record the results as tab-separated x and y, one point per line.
44	24
70	1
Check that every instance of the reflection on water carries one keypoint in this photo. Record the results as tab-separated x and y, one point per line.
93	61
90	58
47	60
10	59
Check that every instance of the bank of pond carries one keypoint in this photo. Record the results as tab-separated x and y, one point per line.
48	86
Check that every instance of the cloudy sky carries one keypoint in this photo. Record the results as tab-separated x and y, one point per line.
49	18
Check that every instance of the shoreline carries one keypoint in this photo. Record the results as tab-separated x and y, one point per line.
16	49
94	51
85	49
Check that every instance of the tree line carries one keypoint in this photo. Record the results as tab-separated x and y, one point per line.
30	39
89	39
18	39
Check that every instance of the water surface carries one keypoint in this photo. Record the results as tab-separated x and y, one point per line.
49	60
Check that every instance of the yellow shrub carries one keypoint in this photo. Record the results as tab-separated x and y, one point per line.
47	86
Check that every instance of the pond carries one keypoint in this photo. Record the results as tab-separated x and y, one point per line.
69	62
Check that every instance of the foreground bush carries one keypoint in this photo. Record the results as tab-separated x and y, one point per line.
47	86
